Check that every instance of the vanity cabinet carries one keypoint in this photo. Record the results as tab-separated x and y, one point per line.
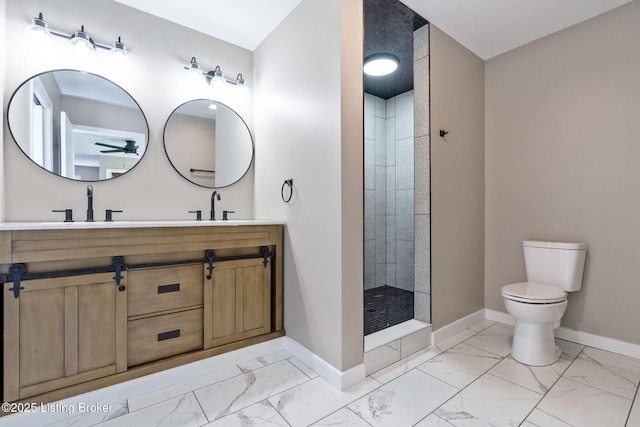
91	307
63	331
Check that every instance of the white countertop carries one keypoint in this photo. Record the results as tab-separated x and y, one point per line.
81	225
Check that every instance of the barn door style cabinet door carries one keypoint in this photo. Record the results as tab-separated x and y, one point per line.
237	301
63	331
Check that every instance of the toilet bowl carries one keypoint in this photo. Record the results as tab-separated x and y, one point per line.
553	269
536	318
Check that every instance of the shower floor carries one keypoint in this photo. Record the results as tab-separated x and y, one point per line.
386	306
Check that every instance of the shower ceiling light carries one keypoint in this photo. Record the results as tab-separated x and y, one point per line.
380	64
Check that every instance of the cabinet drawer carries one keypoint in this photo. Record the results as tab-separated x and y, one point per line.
157	337
165	288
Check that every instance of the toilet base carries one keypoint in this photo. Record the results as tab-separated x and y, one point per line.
534	345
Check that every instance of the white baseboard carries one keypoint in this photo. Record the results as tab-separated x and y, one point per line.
458	326
499	316
597	341
341	380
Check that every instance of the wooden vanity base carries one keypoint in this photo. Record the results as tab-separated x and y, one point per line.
79	321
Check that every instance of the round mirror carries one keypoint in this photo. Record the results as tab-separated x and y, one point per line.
77	125
208	143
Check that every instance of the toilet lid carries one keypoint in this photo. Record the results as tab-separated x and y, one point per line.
533	293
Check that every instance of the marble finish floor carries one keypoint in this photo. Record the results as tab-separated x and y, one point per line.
468	380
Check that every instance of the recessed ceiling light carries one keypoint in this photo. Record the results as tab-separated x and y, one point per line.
380	64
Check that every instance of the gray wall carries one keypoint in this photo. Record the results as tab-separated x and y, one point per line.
154	76
309	117
457	180
562	151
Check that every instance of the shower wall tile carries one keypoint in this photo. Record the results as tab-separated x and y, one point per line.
390	196
369	164
381	194
380	107
391	238
381	274
421	90
422	306
404	116
405	216
423	254
381	239
405	164
391	107
380	135
369	116
390	142
391	274
369	214
404	265
421	42
369	264
421	172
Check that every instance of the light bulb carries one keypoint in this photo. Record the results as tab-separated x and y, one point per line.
241	88
118	53
81	43
217	80
38	31
193	72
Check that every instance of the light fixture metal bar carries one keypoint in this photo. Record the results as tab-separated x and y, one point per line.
70	36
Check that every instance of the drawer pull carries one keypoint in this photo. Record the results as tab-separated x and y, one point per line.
164	289
168	335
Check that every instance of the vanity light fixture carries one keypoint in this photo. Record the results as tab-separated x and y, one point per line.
80	41
215	78
380	64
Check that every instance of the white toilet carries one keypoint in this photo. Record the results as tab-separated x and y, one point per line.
553	268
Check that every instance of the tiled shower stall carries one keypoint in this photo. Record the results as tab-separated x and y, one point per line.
397	215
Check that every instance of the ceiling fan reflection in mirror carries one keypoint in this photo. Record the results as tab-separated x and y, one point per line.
129	148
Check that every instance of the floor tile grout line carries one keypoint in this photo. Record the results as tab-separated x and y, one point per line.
226	379
201	408
275	409
633	401
485	373
552	385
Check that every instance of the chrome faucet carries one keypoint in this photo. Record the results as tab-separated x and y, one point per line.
214	195
89	203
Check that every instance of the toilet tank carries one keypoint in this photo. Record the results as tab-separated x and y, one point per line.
555	263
